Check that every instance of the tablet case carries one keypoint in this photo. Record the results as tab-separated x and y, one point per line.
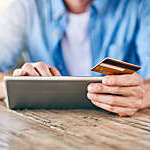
48	92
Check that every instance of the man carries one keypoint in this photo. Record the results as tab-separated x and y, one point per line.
72	36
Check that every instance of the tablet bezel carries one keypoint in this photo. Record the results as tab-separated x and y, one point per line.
52	78
62	78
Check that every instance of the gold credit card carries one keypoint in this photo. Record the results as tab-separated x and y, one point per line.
111	66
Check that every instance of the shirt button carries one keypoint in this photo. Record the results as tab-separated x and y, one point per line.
55	33
60	66
101	11
56	16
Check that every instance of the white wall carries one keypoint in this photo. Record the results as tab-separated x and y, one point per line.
4	5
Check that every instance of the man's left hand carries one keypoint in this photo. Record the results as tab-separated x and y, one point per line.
121	94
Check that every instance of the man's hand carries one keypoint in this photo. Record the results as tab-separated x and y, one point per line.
36	69
29	69
2	85
121	94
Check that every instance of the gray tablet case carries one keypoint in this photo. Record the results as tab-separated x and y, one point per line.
48	92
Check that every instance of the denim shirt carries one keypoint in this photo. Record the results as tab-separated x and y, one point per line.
119	29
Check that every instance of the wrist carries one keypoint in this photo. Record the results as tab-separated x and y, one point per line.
2	90
146	99
2	85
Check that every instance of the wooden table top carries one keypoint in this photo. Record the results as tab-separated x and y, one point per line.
73	130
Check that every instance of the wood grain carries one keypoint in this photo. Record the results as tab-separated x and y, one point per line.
73	130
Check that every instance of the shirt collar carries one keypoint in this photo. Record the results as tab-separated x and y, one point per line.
59	8
100	5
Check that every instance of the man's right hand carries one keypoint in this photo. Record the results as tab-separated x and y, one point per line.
36	69
30	69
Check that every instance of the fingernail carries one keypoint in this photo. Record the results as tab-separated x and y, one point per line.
90	88
105	81
89	96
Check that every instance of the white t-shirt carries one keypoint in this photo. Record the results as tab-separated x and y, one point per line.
76	45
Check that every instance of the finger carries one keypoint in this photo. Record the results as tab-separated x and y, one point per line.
122	80
119	110
42	69
2	89
19	72
118	101
136	91
29	70
54	71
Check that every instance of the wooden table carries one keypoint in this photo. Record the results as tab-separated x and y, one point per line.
73	130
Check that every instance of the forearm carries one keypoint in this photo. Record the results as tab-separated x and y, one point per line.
2	88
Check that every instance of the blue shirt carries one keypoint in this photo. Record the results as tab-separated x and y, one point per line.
118	29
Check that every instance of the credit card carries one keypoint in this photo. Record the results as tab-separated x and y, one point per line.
111	66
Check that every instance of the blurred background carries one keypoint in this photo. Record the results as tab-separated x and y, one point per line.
4	4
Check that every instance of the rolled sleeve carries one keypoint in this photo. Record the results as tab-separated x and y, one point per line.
12	35
143	38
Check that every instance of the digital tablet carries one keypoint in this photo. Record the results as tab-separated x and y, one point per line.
48	92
